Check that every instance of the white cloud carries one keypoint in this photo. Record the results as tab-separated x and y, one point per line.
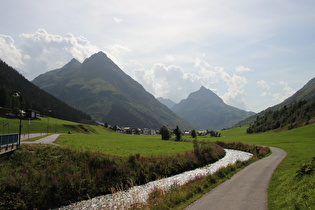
287	91
9	53
79	47
278	91
116	53
263	84
172	82
242	69
117	20
50	51
167	81
235	94
284	94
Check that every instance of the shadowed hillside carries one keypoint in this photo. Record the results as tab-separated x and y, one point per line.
33	97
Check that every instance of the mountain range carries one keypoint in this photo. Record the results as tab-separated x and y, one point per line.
100	88
167	102
206	110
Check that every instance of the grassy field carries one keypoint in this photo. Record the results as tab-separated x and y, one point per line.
123	144
286	191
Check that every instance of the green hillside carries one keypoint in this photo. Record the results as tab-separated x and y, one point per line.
296	115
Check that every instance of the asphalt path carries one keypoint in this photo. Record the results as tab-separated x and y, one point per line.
45	140
24	137
247	189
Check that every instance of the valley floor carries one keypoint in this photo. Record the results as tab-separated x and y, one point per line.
139	194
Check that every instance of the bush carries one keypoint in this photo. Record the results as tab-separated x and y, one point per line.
306	168
165	133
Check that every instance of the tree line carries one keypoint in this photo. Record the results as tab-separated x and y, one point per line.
166	134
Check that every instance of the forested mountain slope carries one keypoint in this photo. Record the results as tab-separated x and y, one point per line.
288	117
33	96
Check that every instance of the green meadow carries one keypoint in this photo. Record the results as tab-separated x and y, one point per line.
286	190
123	144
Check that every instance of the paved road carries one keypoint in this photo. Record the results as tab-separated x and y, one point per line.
245	190
31	135
46	140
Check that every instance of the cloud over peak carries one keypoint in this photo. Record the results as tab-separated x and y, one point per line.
173	82
42	51
9	53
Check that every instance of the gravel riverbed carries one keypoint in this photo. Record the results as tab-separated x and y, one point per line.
139	194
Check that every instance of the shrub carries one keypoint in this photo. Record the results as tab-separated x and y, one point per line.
165	133
306	168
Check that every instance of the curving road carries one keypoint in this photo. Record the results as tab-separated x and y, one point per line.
245	190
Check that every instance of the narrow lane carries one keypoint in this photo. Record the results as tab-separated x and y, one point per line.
245	190
45	140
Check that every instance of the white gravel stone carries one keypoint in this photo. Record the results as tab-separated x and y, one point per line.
139	194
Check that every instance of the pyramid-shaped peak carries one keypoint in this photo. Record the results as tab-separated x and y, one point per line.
206	94
73	63
99	54
97	57
202	88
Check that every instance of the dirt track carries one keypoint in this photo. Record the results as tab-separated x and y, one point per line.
245	190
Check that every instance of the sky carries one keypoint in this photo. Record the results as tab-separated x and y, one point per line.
252	53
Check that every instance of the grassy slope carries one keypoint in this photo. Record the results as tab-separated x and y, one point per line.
36	126
285	190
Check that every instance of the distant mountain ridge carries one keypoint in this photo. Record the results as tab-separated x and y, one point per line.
167	102
99	87
33	97
306	93
206	110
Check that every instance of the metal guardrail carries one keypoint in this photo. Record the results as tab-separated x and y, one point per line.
9	139
8	142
